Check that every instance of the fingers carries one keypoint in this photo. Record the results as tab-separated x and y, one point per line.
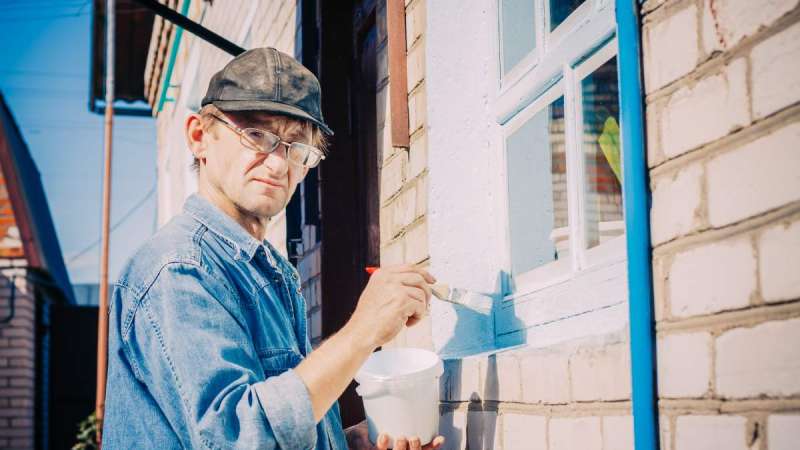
436	443
383	442
418	281
406	268
414	309
414	444
401	443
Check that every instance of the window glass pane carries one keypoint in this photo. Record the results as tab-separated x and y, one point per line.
519	34
561	9
602	155
537	190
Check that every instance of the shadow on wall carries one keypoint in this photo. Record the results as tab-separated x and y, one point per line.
477	425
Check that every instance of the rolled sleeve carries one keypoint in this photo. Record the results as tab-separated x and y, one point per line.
287	405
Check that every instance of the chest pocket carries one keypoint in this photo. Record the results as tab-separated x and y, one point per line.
275	361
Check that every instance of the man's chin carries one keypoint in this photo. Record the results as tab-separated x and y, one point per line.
267	207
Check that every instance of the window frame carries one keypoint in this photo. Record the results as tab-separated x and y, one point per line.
563	59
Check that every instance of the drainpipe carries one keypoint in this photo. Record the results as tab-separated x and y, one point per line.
102	313
637	223
176	43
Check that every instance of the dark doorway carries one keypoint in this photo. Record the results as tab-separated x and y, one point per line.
73	373
349	177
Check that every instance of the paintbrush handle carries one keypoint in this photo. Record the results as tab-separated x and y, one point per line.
441	291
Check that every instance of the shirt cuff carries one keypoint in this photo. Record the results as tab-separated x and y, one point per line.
287	405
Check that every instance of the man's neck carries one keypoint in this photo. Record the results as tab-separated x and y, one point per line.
255	226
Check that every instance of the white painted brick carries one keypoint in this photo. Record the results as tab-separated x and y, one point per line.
710	39
417	114
418	155
453	427
737	19
393	253
417	243
710	433
482	430
422	197
415	22
713	277
665	432
684	365
783	432
779	262
575	433
762	360
601	373
500	375
707	111
419	335
415	65
759	176
676	204
670	48
524	432
393	175
775	65
618	433
545	377
403	209
461	380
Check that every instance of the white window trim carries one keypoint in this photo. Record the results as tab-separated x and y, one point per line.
586	293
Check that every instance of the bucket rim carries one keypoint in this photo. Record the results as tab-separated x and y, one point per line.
435	370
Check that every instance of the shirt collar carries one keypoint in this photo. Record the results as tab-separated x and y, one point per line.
243	245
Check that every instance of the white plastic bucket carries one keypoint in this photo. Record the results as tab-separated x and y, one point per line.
400	390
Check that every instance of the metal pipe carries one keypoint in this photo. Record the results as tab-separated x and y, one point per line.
102	322
637	223
191	26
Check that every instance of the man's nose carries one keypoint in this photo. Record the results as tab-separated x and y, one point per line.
277	161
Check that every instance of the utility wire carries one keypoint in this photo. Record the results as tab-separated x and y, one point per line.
119	222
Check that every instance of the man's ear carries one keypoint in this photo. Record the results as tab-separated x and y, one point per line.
194	136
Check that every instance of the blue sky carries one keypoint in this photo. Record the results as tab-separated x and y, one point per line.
44	76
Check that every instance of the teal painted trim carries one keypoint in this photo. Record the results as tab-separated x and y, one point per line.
637	224
171	63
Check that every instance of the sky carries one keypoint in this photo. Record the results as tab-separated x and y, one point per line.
44	76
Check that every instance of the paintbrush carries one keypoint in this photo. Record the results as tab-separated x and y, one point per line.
475	301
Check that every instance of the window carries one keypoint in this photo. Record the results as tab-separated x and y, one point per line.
557	105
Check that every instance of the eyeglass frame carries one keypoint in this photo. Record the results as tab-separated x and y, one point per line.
246	142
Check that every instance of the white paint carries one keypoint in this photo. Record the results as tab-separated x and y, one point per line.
465	243
467	201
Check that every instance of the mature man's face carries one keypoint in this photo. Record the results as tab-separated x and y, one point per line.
256	183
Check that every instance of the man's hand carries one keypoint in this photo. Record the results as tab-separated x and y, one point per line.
394	296
358	439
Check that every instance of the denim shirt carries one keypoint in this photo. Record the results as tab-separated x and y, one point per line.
206	325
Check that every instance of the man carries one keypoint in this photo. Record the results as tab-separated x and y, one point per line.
208	343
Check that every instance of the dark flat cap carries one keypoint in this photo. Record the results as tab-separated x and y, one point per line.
265	79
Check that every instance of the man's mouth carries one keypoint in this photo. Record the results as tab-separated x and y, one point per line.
271	183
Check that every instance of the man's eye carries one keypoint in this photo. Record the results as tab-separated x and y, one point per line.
255	135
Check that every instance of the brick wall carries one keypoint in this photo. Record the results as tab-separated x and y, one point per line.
404	171
17	338
722	91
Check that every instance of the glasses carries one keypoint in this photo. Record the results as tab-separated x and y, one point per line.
265	142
